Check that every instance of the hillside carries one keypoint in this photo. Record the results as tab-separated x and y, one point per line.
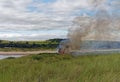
50	44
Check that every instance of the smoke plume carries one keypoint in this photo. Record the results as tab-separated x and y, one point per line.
101	26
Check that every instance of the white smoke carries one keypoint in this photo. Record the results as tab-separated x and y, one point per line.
101	26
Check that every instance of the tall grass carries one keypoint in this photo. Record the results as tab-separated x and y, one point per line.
61	68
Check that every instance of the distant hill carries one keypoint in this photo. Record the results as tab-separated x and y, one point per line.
47	44
58	40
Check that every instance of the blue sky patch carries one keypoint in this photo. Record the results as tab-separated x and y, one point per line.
44	1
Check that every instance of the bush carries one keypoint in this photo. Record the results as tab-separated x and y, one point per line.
37	57
10	58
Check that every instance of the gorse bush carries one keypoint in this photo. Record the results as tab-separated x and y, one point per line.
37	57
42	56
10	58
51	57
48	44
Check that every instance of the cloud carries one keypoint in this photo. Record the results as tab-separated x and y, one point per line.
31	15
21	37
19	14
32	35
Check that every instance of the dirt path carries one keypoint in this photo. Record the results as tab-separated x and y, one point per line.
26	53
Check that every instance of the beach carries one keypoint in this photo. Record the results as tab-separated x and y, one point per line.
25	53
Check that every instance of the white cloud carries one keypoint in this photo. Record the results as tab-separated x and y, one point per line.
32	35
30	15
15	14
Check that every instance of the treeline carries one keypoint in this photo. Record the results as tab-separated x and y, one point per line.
48	44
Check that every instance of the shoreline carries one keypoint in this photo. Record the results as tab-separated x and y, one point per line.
25	53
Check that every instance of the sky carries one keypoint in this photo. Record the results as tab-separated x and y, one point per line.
41	19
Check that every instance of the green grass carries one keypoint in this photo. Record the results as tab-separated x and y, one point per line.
23	49
61	68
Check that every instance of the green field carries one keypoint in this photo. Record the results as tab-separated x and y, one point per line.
61	68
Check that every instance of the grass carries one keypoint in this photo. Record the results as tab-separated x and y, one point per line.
23	49
61	68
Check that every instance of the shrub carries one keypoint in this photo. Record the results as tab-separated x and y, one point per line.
37	57
10	58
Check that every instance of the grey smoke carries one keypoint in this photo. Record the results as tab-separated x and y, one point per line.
101	26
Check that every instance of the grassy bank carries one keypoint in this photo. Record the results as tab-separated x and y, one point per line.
56	68
24	49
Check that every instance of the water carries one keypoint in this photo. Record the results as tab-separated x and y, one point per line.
6	56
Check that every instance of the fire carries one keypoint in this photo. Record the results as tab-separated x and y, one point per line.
64	47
